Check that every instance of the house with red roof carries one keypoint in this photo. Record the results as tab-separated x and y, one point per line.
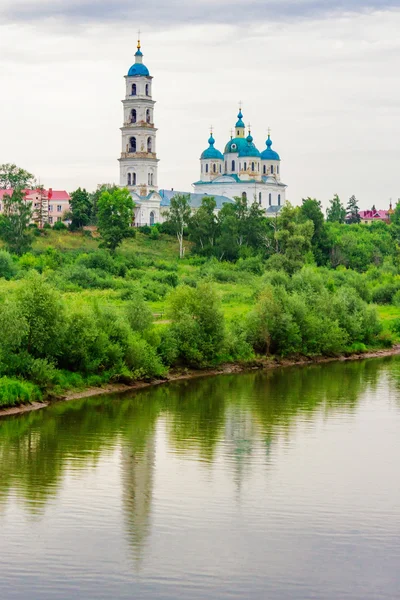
49	206
369	216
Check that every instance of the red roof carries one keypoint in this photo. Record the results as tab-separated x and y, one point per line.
57	194
374	214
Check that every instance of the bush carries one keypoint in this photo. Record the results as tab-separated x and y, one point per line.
197	324
384	294
60	226
14	392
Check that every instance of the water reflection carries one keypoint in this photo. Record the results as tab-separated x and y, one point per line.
233	415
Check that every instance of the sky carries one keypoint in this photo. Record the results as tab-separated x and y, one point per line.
323	77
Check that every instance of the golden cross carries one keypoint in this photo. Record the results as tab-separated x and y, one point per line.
138	43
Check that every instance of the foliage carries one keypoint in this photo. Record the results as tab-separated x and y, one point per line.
14	223
336	212
178	217
353	215
115	217
14	392
81	209
13	177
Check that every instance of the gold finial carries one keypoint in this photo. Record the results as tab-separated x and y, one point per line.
138	42
240	105
211	129
269	131
249	127
231	133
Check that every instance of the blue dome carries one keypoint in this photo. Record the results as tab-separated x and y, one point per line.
235	145
268	153
249	148
212	152
138	69
240	122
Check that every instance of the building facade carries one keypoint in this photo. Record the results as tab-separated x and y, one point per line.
138	161
48	206
242	170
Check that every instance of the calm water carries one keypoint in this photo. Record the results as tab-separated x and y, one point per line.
280	486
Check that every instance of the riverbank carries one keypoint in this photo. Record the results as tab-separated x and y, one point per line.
225	369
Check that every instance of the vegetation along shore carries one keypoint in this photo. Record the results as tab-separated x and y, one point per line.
118	305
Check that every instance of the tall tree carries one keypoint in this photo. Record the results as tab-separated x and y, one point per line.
178	217
311	209
336	212
203	226
115	217
81	209
353	214
94	198
13	177
17	214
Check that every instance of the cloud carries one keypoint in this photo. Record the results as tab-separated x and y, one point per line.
175	12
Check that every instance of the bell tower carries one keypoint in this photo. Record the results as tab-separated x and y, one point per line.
138	162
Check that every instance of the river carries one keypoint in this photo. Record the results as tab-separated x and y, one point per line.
282	485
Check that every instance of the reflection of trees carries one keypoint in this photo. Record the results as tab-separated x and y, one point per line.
240	410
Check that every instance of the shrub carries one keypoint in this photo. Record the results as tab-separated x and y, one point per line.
254	264
384	294
60	226
14	392
138	314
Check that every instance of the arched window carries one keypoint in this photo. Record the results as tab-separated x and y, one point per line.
258	167
220	169
272	169
244	196
133	115
245	167
149	145
152	179
253	168
206	167
148	178
259	198
279	199
201	168
129	179
132	144
265	170
134	89
233	165
152	218
147	89
133	178
148	116
226	166
270	199
214	168
277	169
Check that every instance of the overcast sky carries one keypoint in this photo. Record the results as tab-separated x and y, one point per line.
325	80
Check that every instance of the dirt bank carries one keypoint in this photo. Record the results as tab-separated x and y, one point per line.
258	364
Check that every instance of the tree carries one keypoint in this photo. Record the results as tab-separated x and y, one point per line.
13	177
353	215
81	209
41	212
178	217
336	212
115	216
311	210
94	198
17	214
203	226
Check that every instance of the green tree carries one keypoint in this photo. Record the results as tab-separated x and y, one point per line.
311	209
336	212
13	177
353	215
115	217
94	198
17	214
178	217
81	209
203	226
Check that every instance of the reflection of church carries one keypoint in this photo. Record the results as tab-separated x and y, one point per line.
137	480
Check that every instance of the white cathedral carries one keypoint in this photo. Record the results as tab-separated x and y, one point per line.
241	171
